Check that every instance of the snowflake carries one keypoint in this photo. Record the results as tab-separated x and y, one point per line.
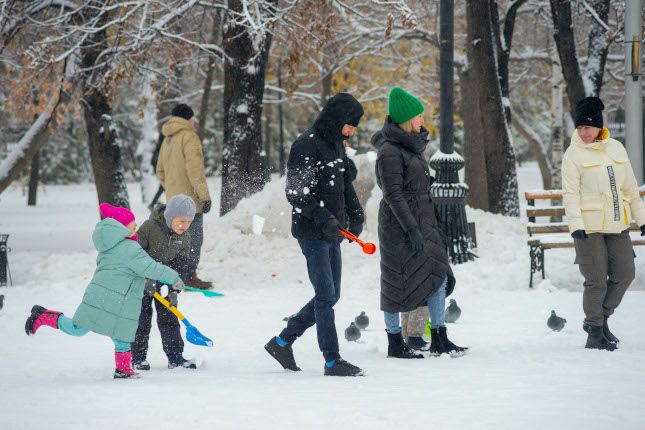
298	210
322	204
331	183
305	191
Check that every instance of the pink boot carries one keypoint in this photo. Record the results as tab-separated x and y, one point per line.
40	317
124	366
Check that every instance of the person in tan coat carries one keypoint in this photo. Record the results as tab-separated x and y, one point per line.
180	170
601	198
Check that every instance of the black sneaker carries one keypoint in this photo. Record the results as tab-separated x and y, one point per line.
179	361
282	354
343	368
140	364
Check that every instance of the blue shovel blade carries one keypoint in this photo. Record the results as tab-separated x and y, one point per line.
194	336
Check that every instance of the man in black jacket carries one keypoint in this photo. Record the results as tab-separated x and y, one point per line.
319	187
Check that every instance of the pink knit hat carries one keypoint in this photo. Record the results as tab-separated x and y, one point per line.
123	215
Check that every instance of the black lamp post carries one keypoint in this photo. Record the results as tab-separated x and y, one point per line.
448	193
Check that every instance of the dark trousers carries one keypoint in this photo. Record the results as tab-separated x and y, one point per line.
196	231
324	265
607	263
168	323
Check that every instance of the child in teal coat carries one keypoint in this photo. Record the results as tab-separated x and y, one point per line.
112	301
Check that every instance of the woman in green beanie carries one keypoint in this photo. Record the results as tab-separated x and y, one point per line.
415	270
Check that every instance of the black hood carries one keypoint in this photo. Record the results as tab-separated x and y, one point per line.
391	132
341	109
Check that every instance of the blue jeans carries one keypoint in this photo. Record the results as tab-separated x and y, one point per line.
324	265
436	308
67	326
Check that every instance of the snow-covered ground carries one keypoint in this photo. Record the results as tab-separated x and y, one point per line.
518	373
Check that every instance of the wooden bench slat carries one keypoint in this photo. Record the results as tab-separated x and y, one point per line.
551	194
546	211
559	227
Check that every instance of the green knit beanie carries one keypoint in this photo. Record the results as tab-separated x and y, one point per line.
403	106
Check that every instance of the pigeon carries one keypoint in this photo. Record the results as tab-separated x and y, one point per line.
555	323
362	321
453	312
1	301
352	333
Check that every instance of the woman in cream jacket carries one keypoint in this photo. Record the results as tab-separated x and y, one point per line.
601	198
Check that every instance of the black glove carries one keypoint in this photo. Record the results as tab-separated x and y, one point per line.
330	229
356	229
416	239
206	208
172	298
581	234
150	287
177	286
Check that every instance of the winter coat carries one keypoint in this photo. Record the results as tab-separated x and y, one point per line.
407	277
160	241
112	301
319	174
180	167
600	191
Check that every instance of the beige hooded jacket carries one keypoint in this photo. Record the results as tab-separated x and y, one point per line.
600	191
180	168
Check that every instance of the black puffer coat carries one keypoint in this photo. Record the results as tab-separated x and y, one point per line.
407	277
319	174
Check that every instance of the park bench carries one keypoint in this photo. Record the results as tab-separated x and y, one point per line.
553	235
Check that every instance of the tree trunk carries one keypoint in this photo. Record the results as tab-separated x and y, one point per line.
105	152
557	126
244	74
33	180
34	138
538	149
147	145
268	139
281	122
489	124
475	166
598	46
208	81
565	42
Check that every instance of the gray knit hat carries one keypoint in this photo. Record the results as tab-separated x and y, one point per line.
179	205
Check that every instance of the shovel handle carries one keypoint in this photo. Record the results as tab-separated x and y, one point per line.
349	235
167	304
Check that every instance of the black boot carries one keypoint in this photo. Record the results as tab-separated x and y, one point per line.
282	354
596	339
450	347
608	335
417	343
343	368
436	344
398	349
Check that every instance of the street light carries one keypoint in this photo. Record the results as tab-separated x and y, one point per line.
448	193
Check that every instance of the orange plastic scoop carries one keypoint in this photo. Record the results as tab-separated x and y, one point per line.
368	248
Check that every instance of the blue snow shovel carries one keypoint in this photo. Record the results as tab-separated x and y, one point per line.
204	292
192	334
